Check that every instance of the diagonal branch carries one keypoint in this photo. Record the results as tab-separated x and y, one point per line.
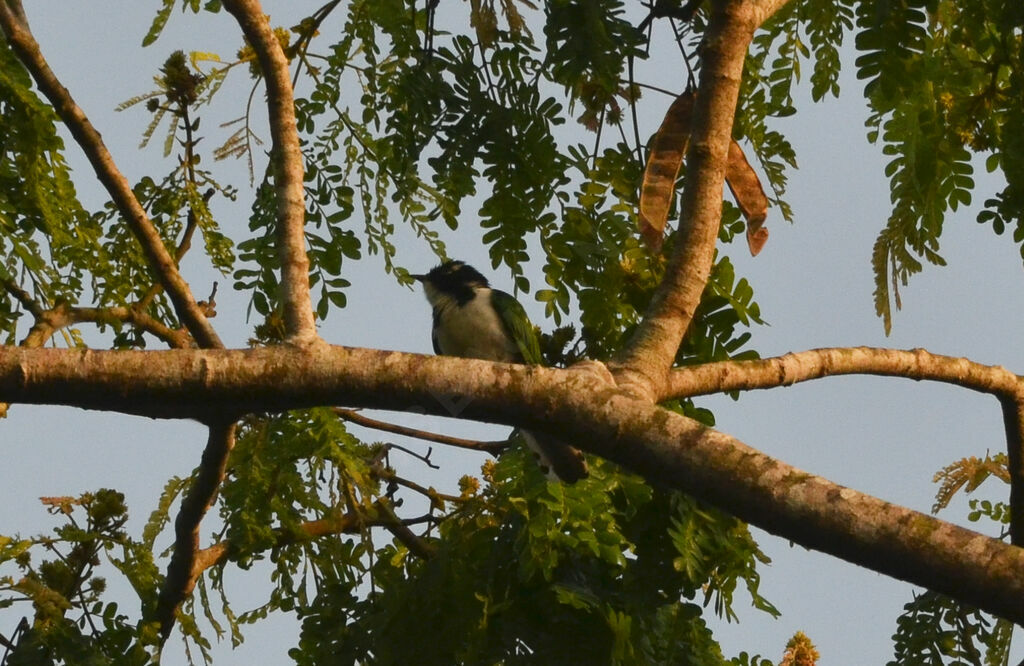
643	363
26	300
179	581
18	35
917	364
1013	421
286	158
579	404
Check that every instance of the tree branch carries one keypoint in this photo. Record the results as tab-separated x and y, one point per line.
792	368
25	46
14	289
348	523
179	582
286	157
218	553
48	322
917	364
578	404
1013	421
352	416
644	362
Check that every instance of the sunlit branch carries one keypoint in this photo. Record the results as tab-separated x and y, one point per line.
286	158
917	364
662	446
24	45
804	366
765	9
48	322
645	360
23	297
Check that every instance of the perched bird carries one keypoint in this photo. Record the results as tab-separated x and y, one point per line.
472	320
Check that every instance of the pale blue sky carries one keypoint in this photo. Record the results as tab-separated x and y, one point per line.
813	282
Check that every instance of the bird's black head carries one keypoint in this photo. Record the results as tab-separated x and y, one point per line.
452	279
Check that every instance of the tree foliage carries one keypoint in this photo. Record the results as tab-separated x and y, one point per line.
418	118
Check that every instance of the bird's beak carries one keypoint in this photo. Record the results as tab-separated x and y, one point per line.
418	278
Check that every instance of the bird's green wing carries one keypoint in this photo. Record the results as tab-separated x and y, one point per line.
518	324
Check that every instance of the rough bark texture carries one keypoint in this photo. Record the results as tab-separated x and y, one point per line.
644	362
659	444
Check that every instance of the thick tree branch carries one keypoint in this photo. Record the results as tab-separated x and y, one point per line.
179	581
579	403
644	362
48	322
352	416
25	46
286	157
917	364
792	368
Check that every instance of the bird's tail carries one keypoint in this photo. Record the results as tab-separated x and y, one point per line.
558	460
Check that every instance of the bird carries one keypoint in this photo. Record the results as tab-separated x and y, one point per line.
472	320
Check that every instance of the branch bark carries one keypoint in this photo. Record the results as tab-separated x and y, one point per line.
588	408
645	361
918	364
1013	421
286	157
179	581
20	38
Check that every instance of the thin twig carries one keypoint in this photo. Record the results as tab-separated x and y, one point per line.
416	545
494	447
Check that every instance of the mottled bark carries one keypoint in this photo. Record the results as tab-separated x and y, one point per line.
661	445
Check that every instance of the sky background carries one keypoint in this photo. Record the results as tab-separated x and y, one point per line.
813	282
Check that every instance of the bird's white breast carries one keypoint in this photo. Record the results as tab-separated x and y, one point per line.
474	330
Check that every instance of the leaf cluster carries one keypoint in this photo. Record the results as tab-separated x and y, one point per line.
603	571
942	82
935	629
